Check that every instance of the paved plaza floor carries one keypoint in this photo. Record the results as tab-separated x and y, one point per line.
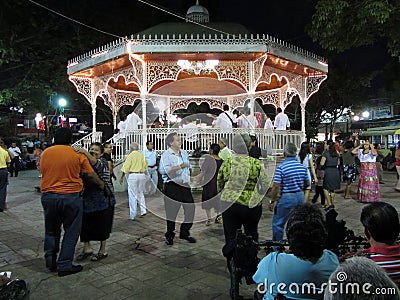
140	265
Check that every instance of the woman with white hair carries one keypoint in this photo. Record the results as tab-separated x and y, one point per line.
135	167
360	278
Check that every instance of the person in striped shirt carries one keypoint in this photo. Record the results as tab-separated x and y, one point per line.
290	181
381	227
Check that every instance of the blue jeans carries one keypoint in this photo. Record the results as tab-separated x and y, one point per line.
151	187
282	210
65	210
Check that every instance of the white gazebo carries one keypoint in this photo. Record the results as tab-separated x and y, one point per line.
172	65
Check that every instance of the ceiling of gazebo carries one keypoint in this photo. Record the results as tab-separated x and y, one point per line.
191	84
121	85
199	86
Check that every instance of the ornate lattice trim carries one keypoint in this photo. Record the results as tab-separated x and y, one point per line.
84	86
313	83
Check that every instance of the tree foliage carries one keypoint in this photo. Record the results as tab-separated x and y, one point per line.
342	90
345	24
35	43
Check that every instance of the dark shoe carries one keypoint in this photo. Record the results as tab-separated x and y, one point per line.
84	255
74	269
330	207
99	256
1	210
169	238
52	268
189	238
51	264
380	182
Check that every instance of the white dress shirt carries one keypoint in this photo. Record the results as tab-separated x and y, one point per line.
132	122
223	120
281	121
268	124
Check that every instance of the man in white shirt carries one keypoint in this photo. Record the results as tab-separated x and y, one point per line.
268	123
281	120
14	165
121	127
242	121
151	157
132	122
225	119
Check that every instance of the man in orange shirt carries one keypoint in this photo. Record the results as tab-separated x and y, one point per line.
61	184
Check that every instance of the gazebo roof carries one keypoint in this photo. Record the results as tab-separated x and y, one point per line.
115	55
191	28
197	39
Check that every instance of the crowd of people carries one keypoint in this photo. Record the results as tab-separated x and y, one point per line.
244	119
78	196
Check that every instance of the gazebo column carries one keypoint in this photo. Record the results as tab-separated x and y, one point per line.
114	119
144	120
252	102
168	111
303	118
94	115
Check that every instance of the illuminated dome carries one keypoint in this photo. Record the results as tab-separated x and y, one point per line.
198	13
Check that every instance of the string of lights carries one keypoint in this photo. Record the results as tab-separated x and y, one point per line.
121	37
158	7
75	21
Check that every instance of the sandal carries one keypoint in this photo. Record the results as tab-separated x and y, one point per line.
218	219
209	223
84	255
99	256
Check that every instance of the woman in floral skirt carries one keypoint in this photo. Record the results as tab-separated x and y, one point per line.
368	184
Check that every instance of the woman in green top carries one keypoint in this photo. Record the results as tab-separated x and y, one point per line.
242	183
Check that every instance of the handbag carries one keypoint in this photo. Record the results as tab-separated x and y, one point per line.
234	124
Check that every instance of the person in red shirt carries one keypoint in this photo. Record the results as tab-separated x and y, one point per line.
381	228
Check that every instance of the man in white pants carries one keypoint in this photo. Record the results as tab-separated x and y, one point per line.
135	167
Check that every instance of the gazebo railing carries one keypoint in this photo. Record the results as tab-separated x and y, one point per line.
272	141
88	139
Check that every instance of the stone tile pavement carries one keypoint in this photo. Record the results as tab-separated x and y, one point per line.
140	265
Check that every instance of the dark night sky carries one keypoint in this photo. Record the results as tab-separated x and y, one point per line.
284	19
